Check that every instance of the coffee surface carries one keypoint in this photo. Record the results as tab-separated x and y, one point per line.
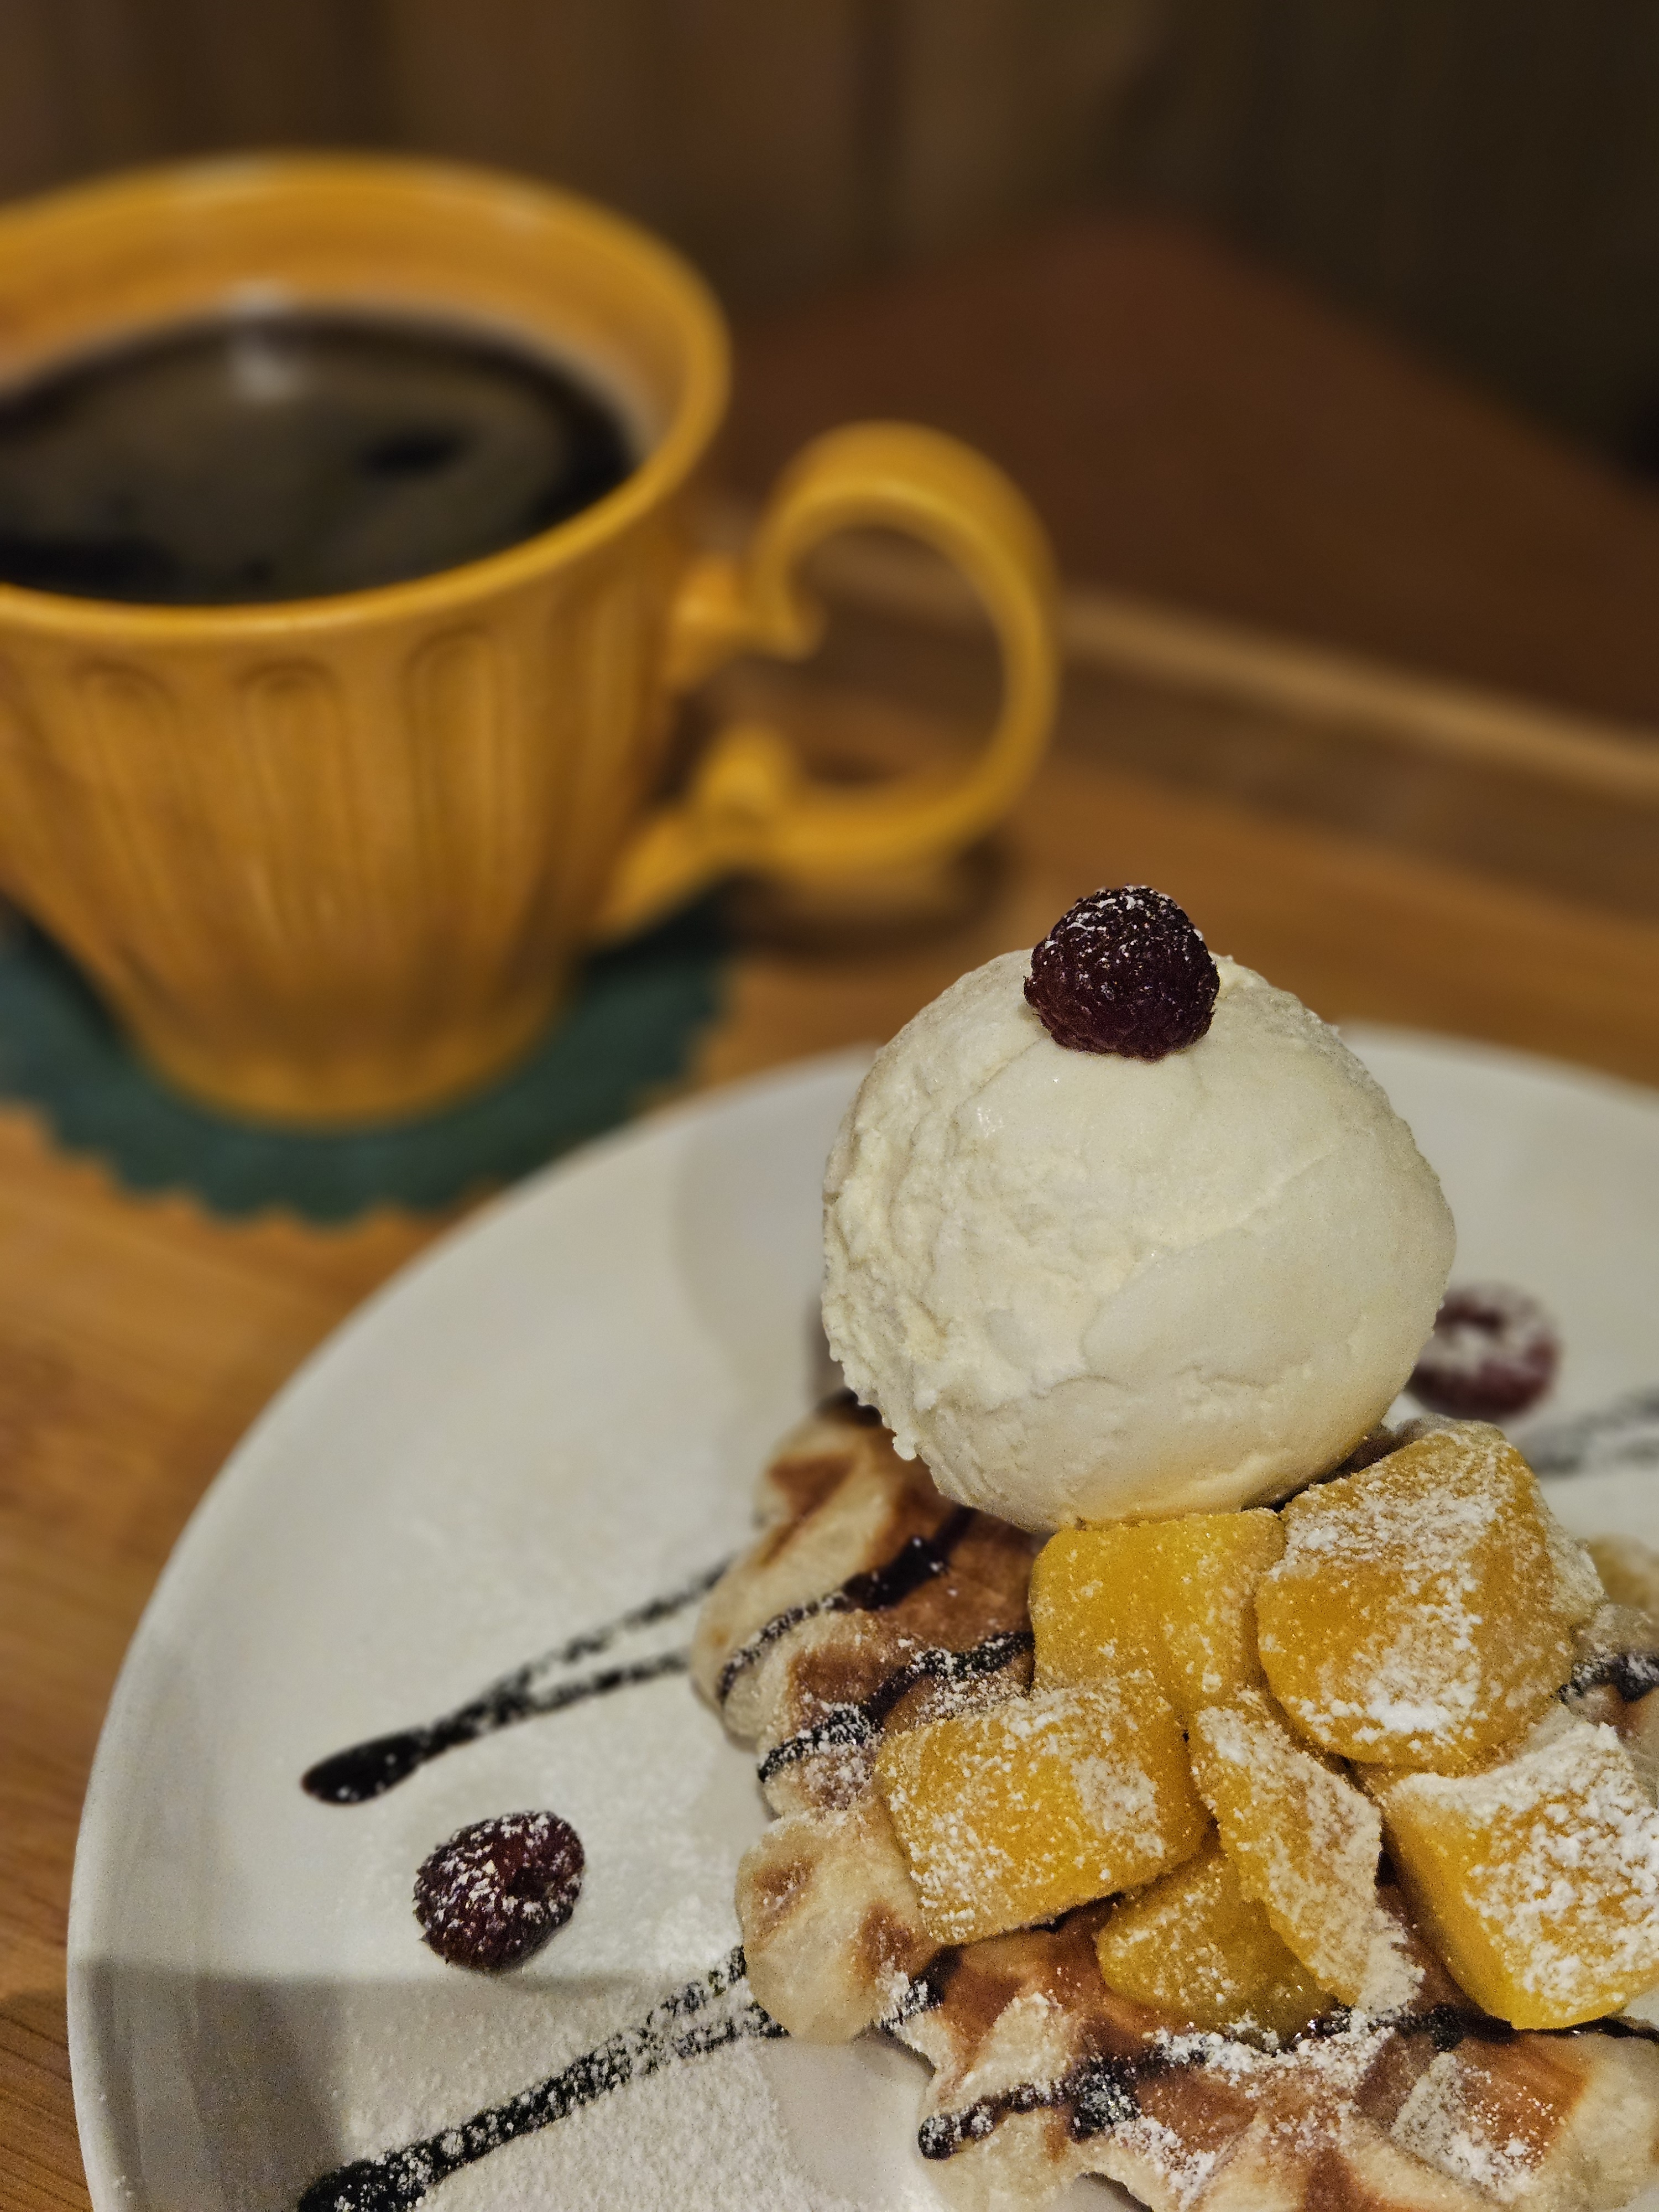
291	456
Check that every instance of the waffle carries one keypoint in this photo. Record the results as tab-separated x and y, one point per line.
870	1603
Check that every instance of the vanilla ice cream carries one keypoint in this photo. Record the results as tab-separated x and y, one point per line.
1083	1287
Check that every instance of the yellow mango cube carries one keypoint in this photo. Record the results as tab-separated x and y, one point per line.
1014	1815
1176	1596
1536	1881
1193	1946
1304	1844
1423	1614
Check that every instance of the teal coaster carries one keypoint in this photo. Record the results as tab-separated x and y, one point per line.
631	1025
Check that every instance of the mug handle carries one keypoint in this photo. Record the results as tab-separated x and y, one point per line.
750	806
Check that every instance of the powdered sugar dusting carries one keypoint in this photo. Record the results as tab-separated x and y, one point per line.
1455	1592
1560	1852
1185	2168
1444	2125
1305	1843
1015	1814
1337	2062
497	1890
1117	1794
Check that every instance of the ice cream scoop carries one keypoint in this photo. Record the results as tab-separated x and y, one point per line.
1085	1286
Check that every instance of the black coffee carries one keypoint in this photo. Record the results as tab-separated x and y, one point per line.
290	456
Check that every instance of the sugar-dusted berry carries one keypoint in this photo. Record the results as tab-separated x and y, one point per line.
1193	1946
1537	1881
1423	1614
1304	1844
497	1891
1124	971
1493	1351
1012	1816
1175	1596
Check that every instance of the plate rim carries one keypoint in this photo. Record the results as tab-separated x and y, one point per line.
89	2057
1514	1060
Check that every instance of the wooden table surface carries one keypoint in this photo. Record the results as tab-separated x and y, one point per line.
1198	429
138	1337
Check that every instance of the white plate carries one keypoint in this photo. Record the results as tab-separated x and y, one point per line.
555	1415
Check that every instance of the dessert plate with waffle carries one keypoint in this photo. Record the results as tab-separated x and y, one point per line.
1172	1719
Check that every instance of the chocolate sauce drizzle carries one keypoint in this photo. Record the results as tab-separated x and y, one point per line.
366	1770
917	1560
672	2032
1632	1674
1623	1434
849	1727
1101	2094
1102	2091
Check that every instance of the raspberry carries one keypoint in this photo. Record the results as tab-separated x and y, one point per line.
1125	972
495	1893
1493	1351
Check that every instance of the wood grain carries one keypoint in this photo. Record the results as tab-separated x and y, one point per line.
1360	929
1543	798
737	132
996	115
1175	649
1482	176
138	1338
1197	431
784	148
1482	179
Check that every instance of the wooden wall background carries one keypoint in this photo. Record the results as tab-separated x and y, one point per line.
1480	174
786	143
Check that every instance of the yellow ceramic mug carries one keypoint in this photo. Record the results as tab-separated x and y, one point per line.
333	859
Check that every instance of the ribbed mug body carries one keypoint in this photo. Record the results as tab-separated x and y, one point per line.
333	860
